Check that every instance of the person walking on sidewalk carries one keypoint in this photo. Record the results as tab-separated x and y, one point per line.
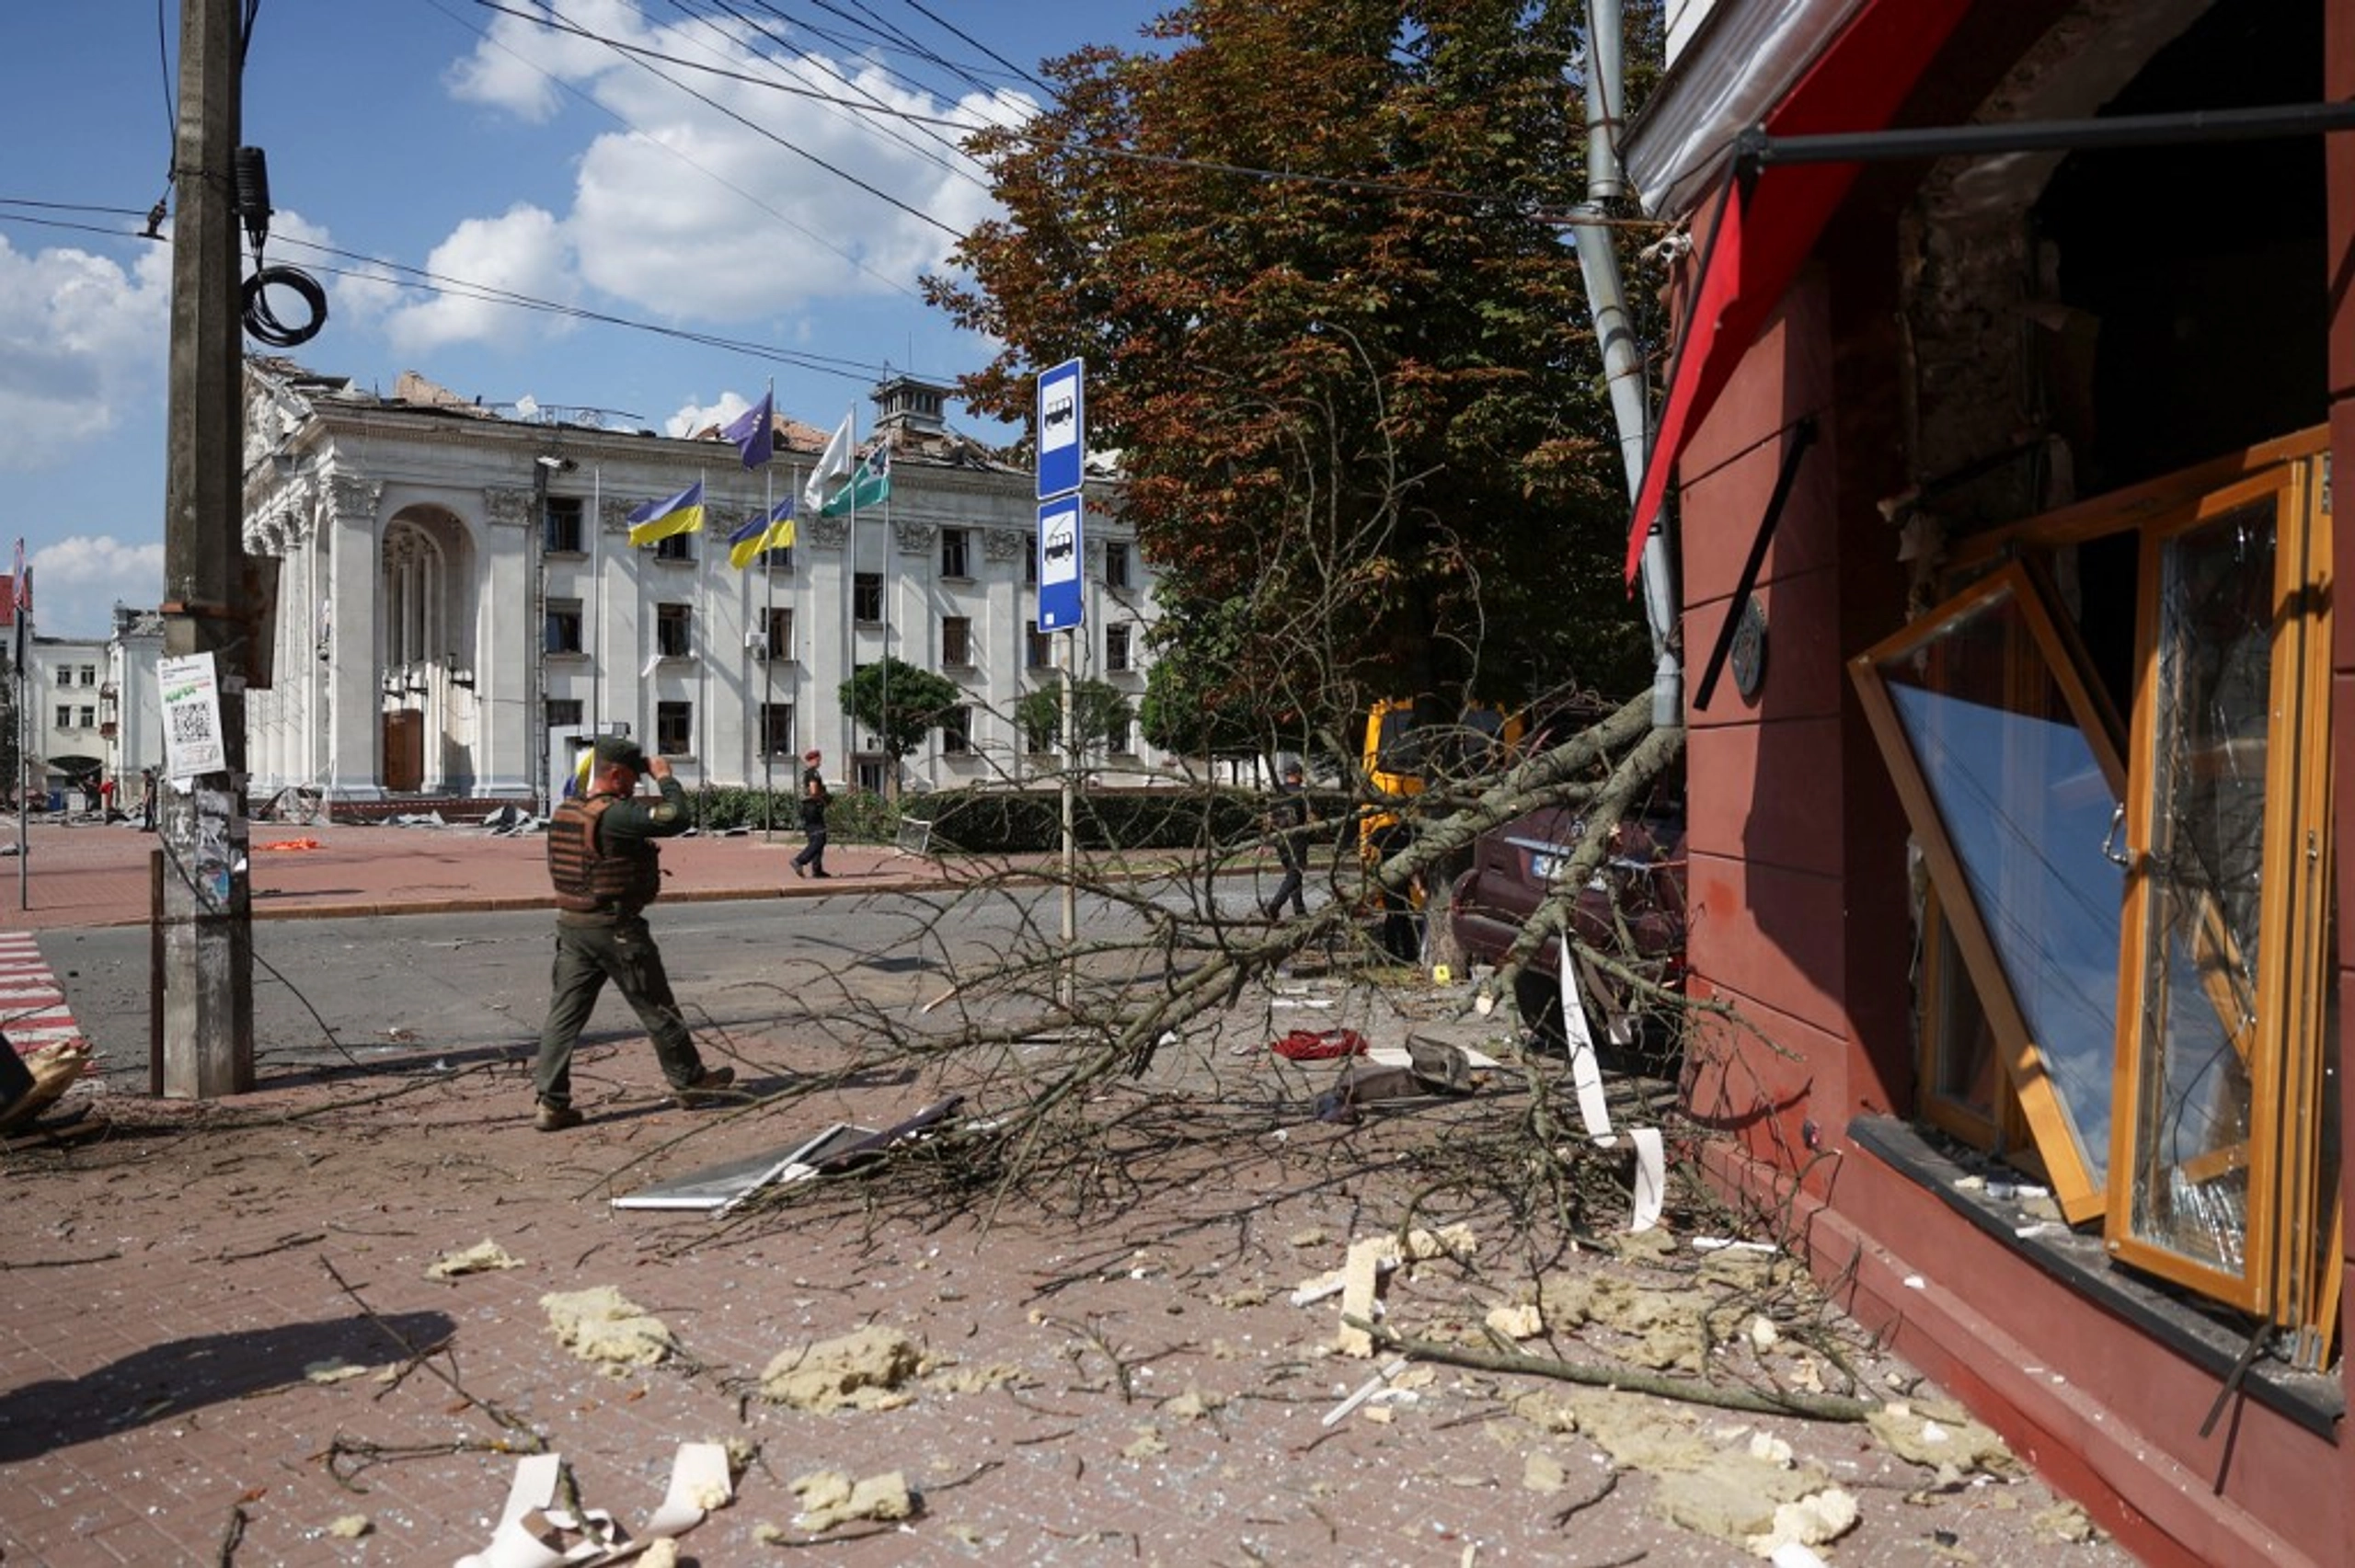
607	868
1288	824
811	860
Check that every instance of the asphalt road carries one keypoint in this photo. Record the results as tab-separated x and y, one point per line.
371	989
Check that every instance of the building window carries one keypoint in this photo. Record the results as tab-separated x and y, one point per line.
779	632
870	773
778	561
776	730
65	719
1119	732
1116	563
562	525
956	554
674	729
1116	647
867	597
2102	975
957	731
1039	650
673	631
564	713
1030	562
955	641
89	718
64	675
563	627
89	675
675	547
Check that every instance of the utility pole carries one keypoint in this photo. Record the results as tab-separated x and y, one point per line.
208	1042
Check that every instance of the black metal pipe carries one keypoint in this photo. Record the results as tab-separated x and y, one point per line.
1754	150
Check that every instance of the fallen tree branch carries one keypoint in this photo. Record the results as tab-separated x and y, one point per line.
1624	1380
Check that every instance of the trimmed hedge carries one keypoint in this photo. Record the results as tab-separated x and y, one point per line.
998	821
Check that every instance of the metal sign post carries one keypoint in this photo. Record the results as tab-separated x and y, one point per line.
1062	433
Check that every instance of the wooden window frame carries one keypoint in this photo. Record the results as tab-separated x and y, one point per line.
2292	1223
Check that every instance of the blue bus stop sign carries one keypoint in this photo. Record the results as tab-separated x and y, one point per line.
1061	551
1063	429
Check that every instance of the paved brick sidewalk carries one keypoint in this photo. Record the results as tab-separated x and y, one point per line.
86	874
1141	1389
1119	1376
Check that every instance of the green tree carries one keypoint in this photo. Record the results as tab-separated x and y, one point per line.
1100	712
899	704
1359	393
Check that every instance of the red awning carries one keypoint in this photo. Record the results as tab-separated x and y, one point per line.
1765	225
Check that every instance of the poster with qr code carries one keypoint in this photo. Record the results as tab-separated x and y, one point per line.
192	741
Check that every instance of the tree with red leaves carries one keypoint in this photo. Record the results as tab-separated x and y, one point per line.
1311	251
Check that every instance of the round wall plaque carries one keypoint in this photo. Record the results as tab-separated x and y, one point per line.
1747	655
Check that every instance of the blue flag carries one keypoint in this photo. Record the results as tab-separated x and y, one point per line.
754	430
683	513
774	531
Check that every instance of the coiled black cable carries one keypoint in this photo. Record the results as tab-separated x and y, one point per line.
262	323
253	206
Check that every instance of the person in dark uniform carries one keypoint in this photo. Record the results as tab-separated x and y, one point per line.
1288	824
811	860
607	868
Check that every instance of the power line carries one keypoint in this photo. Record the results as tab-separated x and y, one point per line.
1074	149
813	235
842	174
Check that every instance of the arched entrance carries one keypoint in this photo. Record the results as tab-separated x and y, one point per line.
425	639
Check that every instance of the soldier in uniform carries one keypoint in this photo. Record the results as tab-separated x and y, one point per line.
1288	821
607	868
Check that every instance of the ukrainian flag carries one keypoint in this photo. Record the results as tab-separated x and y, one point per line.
774	531
683	513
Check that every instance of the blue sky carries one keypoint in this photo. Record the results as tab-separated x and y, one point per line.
452	136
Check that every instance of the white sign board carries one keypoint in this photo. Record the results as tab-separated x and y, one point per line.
193	738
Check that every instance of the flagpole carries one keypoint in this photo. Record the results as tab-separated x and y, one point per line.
883	670
850	617
703	661
596	639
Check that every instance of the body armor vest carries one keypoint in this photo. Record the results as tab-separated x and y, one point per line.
590	877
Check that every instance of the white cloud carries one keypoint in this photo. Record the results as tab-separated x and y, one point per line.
745	208
694	416
78	581
522	68
83	341
522	251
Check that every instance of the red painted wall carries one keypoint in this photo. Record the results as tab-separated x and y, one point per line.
1802	920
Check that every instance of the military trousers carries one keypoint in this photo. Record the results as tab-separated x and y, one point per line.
588	954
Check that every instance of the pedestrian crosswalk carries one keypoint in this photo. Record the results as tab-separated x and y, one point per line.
32	1004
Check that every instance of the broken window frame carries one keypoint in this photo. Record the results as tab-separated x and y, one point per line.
2064	1096
2289	1243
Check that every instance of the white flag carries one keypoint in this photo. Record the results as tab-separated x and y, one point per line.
833	466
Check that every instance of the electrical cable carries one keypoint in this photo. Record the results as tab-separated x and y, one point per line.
252	184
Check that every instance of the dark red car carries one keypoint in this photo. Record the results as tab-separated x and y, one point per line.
1633	908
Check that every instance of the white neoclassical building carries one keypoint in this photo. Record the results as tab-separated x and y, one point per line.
458	601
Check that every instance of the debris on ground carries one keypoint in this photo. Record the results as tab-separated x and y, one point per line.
828	1498
1743	1487
956	1377
480	1258
351	1526
601	1325
336	1371
1942	1437
867	1369
1388	1253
